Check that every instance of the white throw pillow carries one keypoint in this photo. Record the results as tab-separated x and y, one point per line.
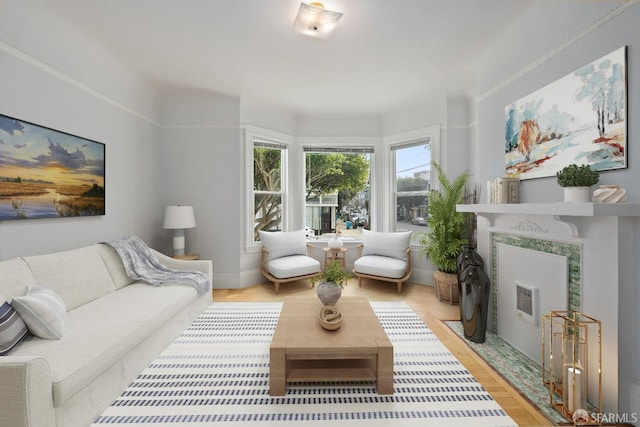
393	245
43	312
284	243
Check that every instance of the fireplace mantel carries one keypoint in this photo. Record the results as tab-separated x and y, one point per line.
562	209
568	213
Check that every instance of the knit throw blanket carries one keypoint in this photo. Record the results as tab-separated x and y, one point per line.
141	264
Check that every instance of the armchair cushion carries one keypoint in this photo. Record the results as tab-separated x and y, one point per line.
284	243
392	245
383	266
293	266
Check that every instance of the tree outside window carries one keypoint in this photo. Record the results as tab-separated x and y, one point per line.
337	189
268	184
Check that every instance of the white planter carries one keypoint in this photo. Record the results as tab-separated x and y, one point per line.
577	194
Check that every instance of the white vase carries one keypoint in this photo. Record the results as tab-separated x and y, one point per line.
609	194
577	194
335	243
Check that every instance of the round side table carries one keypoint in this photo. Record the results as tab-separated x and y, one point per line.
331	255
190	257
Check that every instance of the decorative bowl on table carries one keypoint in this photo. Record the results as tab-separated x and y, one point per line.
330	318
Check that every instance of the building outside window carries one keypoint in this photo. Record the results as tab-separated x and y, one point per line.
337	193
269	176
412	161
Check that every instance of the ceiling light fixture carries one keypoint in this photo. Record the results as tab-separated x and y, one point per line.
316	21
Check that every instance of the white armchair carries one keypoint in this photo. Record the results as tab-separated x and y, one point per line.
384	256
285	257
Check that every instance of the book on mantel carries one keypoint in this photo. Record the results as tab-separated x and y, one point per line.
504	190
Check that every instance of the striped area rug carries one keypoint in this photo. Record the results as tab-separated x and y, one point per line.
218	372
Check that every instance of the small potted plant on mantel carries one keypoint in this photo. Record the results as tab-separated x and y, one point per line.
331	281
577	182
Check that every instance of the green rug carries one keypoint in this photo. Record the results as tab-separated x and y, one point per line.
523	373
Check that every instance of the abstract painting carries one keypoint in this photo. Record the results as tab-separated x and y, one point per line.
45	173
579	119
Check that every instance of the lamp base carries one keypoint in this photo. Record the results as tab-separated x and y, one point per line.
178	241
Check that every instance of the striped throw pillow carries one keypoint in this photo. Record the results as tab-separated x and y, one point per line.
43	311
12	328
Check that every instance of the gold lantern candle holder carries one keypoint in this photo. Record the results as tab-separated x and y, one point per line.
572	365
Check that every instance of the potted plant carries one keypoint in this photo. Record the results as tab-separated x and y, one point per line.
332	279
577	182
445	238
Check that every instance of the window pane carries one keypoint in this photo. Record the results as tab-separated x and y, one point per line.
267	173
412	186
268	213
337	192
412	168
268	182
411	211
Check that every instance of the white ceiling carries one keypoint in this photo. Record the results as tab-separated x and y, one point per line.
383	55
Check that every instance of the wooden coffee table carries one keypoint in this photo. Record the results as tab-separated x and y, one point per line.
302	351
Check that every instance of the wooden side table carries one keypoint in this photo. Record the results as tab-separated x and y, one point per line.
189	257
331	255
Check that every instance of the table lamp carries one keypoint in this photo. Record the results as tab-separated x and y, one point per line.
178	218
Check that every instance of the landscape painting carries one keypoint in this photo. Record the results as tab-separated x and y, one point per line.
579	119
45	173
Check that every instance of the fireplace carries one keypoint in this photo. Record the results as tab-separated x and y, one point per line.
584	251
523	291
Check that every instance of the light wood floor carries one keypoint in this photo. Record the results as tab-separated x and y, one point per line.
424	302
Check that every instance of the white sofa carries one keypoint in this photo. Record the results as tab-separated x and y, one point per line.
114	328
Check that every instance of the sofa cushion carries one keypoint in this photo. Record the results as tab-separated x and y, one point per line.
392	245
12	327
43	311
376	265
77	276
15	278
293	266
284	243
115	266
100	333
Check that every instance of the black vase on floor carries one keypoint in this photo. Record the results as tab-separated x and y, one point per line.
474	302
468	256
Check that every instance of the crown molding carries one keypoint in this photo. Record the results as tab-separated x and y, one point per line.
53	72
561	47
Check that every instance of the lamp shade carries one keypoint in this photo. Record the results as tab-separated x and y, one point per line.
179	217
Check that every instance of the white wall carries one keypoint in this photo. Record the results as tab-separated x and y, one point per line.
525	59
200	155
54	78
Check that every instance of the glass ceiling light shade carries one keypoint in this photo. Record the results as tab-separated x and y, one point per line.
178	218
315	21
